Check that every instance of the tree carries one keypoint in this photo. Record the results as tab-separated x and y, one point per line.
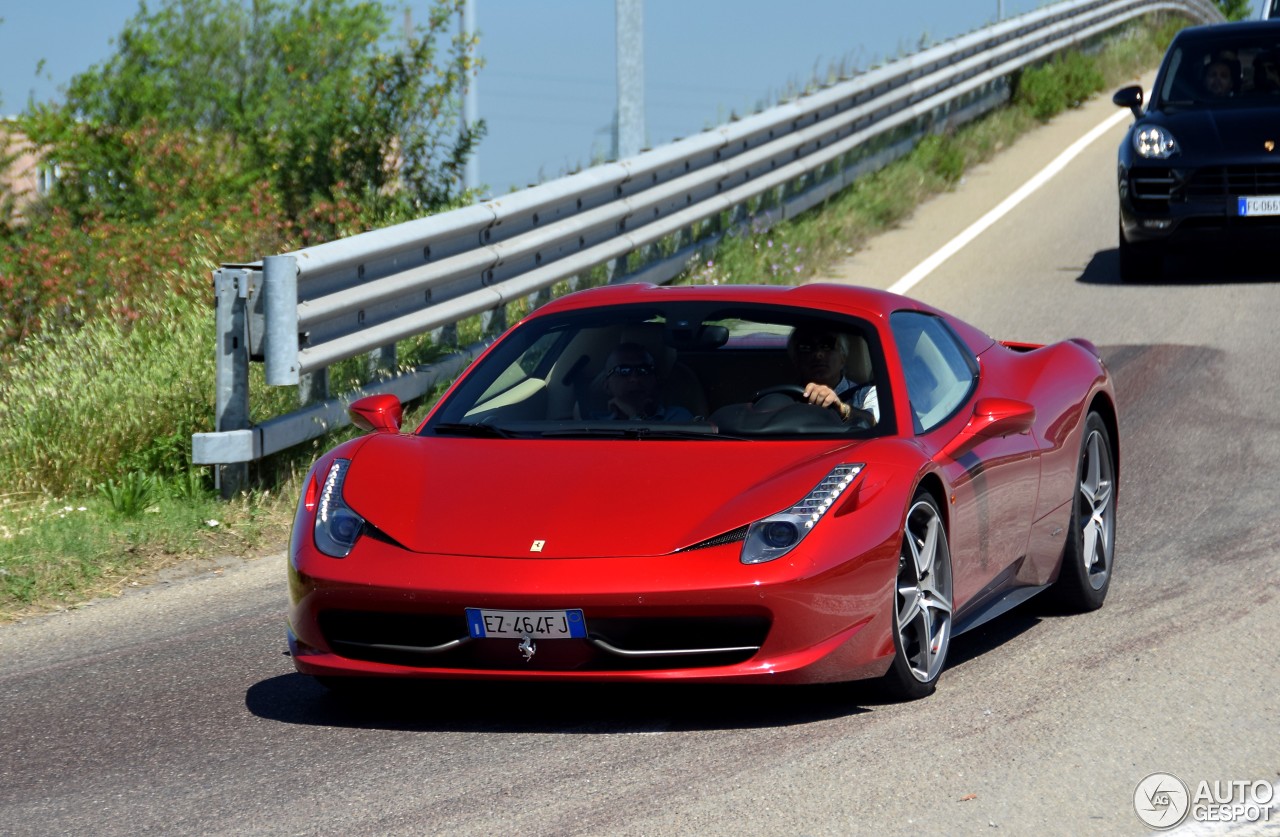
1236	9
318	98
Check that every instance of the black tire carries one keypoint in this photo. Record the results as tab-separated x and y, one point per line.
922	603
1139	262
1089	552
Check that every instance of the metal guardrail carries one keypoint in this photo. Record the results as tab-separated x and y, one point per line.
303	311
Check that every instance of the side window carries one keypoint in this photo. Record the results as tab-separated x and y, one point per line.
939	370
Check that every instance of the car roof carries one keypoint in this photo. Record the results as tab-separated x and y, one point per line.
867	303
1215	30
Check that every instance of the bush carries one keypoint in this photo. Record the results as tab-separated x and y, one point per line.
82	405
134	494
1051	88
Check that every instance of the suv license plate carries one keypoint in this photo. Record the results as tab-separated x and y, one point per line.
1262	205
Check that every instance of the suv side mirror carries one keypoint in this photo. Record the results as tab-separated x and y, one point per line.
1131	98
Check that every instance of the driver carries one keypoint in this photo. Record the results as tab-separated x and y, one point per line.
819	356
1220	77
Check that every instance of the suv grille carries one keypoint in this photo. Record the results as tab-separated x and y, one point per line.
1233	181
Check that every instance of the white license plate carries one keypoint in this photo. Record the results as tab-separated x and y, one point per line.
535	624
1261	205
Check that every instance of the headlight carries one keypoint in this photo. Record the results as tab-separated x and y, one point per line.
778	534
337	525
1154	143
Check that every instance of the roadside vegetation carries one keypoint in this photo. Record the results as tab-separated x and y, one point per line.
107	367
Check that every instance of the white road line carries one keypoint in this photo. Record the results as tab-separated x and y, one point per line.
913	277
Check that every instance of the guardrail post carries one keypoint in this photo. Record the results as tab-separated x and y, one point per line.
313	387
280	314
231	373
494	322
382	362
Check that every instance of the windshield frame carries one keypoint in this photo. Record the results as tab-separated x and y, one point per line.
523	386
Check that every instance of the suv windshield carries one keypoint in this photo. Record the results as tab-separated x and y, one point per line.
1240	71
683	371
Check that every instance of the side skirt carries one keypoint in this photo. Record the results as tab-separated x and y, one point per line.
995	602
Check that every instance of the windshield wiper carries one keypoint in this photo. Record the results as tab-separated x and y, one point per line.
470	428
622	430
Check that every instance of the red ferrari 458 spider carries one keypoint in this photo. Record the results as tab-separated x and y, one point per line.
732	484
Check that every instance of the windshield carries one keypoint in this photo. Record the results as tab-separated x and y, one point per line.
684	371
1238	71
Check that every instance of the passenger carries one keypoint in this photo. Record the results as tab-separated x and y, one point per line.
1266	74
631	383
820	357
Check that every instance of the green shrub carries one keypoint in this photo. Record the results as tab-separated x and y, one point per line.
941	157
82	404
135	493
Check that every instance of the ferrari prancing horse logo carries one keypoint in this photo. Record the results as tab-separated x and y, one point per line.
1269	145
537	546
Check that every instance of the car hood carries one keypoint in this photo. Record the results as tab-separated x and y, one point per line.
576	498
1236	132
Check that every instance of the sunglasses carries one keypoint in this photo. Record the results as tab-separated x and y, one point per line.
627	370
820	344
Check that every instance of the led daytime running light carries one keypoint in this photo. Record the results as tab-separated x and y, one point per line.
815	505
337	526
332	490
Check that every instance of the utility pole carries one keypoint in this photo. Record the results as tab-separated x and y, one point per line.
629	129
470	101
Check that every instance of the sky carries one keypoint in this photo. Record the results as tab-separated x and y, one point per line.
548	88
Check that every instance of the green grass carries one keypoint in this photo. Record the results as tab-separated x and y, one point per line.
98	419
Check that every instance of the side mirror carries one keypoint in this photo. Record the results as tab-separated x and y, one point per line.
379	413
993	418
1129	97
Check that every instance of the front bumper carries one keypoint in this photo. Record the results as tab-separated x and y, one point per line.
1196	206
698	615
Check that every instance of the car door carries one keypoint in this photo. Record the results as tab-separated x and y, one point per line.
994	479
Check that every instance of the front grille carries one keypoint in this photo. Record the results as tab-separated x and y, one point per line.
613	643
1233	181
1162	186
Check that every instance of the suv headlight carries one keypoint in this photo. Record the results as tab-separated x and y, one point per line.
1154	143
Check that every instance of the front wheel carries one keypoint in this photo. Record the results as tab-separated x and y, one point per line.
1091	541
922	603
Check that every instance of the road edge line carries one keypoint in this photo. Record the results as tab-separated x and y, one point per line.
920	271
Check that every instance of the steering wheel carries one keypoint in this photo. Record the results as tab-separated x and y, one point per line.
794	391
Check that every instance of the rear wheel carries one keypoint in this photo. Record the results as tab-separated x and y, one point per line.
1090	549
922	603
1139	262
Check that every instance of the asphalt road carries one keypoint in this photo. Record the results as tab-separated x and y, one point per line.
175	710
